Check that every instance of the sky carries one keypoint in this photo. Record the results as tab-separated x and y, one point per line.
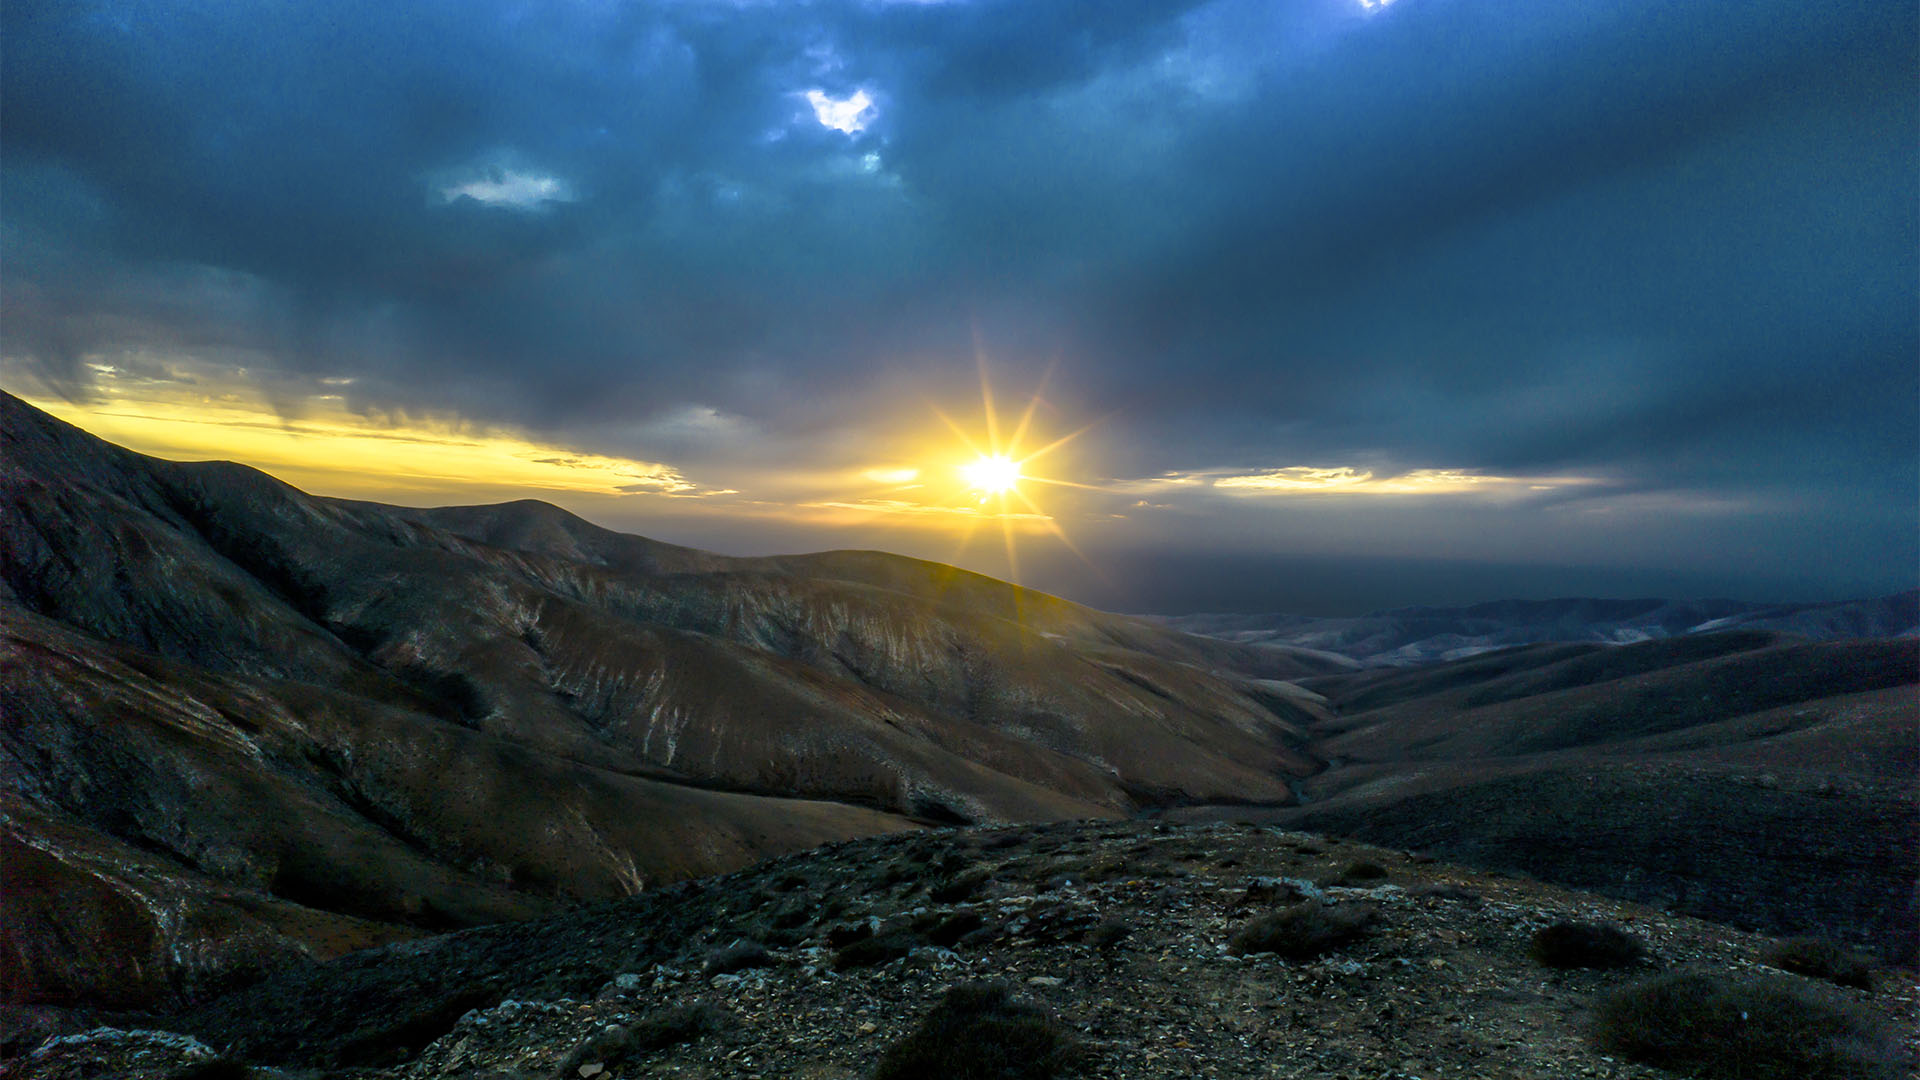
1317	305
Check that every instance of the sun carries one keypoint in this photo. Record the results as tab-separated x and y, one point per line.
996	470
992	474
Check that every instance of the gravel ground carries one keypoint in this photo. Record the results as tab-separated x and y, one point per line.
1119	931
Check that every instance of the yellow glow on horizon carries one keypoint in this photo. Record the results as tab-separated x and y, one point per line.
897	475
1347	480
330	450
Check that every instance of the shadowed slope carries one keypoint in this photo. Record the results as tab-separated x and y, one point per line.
1744	776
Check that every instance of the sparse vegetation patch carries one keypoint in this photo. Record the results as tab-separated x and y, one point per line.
1586	945
1716	1027
874	951
738	956
979	1031
1363	874
1306	930
1818	958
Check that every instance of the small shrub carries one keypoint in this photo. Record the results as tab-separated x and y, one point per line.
679	1024
1585	945
1818	959
1271	891
1108	932
963	886
1306	930
980	1032
1712	1026
1361	873
874	951
738	956
1446	892
948	931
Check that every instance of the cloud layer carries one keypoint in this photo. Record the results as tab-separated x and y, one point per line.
1670	247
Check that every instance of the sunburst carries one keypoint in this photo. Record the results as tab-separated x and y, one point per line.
998	469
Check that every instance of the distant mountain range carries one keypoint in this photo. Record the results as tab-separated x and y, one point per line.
1423	635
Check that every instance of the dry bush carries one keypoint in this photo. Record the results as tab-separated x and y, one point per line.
1716	1027
676	1025
1820	959
1361	873
1306	930
739	956
1586	945
874	951
980	1031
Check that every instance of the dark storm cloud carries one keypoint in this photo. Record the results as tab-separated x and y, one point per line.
1668	245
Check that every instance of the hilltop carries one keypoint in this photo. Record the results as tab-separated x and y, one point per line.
812	965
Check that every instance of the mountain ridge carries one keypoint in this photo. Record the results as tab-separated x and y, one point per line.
179	641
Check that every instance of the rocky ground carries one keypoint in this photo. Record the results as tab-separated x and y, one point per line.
809	967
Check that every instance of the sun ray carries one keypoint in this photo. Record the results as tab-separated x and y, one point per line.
1026	418
1006	530
1061	441
1063	483
986	392
958	430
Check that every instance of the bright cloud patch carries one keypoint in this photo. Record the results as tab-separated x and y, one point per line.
511	189
1346	480
849	114
329	449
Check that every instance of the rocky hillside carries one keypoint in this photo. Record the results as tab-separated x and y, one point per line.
248	724
1102	950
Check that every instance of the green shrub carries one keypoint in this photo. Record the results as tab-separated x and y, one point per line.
980	1032
1586	945
1305	930
1820	959
1715	1027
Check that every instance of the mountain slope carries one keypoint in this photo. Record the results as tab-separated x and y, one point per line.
428	718
1746	776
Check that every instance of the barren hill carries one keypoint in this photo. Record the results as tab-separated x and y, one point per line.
245	730
1744	776
321	723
